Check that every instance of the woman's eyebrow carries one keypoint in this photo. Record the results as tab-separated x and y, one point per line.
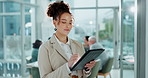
64	19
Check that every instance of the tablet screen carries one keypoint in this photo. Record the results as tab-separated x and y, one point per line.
87	57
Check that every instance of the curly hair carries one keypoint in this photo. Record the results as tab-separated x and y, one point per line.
56	9
37	44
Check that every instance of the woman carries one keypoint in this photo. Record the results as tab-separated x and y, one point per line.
35	71
57	55
36	46
86	45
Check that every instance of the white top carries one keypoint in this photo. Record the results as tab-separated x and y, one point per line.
68	52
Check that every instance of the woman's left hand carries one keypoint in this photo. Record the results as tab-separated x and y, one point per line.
90	65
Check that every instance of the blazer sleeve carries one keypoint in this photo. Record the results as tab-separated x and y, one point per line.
45	66
85	74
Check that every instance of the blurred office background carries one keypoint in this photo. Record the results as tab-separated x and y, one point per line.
117	24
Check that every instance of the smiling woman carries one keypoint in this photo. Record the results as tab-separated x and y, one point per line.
57	55
64	24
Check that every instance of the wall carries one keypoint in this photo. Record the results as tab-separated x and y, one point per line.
146	39
40	16
44	24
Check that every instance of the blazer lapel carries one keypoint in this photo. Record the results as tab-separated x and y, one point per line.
73	47
58	48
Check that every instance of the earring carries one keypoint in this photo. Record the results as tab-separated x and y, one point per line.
55	29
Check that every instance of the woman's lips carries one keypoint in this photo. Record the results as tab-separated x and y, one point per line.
66	29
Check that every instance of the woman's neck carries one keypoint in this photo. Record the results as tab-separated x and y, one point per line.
61	38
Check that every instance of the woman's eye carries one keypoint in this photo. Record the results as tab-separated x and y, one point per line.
64	22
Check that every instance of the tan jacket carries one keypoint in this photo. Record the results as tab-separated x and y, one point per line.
52	59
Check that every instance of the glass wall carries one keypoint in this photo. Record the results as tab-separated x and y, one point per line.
12	24
11	35
128	9
106	25
96	21
108	3
1	39
101	15
11	7
83	23
10	38
99	19
83	16
1	46
29	1
29	25
81	3
1	9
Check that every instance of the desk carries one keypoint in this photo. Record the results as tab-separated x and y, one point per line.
29	58
129	59
34	69
129	62
33	64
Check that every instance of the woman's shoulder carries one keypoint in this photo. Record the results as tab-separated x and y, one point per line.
76	42
45	44
35	49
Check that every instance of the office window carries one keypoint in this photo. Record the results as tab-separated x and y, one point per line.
128	41
29	29
1	27
51	0
81	3
10	38
29	1
1	9
106	3
28	9
106	23
28	33
13	24
128	25
1	39
84	21
11	7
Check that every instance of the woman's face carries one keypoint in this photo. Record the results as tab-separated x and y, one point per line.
64	24
85	41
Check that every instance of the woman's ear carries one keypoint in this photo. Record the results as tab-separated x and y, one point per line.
54	22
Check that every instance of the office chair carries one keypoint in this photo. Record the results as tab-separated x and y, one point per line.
95	69
107	68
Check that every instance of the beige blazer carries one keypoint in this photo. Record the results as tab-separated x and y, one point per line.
52	59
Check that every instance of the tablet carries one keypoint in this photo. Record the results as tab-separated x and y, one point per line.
87	57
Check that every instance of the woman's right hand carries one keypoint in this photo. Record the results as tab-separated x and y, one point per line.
73	59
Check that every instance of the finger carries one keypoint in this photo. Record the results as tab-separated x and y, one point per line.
74	59
88	68
75	54
89	65
93	61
